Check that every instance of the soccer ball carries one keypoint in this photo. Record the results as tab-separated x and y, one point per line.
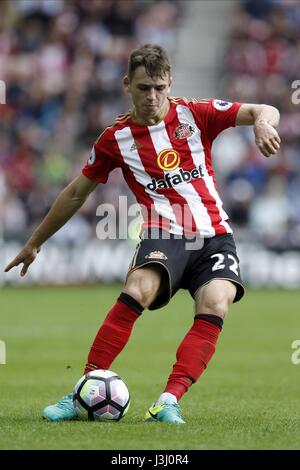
101	395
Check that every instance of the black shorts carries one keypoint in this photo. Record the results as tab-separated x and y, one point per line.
188	263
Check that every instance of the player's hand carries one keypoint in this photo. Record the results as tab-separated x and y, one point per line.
266	138
26	256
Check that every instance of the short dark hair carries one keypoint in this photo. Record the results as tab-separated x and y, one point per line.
151	56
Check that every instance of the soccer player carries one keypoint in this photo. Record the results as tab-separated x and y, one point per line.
163	146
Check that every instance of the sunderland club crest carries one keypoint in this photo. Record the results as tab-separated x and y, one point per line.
183	131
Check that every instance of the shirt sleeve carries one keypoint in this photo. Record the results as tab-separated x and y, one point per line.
216	115
102	160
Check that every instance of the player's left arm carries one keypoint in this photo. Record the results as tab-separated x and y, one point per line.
264	119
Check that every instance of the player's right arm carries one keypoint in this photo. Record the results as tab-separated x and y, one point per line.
64	207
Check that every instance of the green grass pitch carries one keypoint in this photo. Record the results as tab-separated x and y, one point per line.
248	398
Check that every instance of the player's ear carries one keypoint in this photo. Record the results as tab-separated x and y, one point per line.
126	84
170	83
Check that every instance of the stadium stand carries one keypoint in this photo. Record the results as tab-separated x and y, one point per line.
261	63
62	61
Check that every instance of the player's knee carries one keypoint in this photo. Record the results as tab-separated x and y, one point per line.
215	298
218	305
142	288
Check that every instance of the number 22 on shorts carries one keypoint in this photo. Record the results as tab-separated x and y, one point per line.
220	263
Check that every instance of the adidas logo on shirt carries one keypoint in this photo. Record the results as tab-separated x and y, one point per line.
135	146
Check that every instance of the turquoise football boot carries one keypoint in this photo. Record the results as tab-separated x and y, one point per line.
61	411
165	413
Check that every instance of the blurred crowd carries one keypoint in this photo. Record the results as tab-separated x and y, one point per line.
62	62
261	65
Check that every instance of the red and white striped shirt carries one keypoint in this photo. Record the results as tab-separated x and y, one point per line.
168	166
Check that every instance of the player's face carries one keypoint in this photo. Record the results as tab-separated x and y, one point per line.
149	94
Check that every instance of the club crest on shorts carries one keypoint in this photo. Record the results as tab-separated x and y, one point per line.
156	255
183	131
221	105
